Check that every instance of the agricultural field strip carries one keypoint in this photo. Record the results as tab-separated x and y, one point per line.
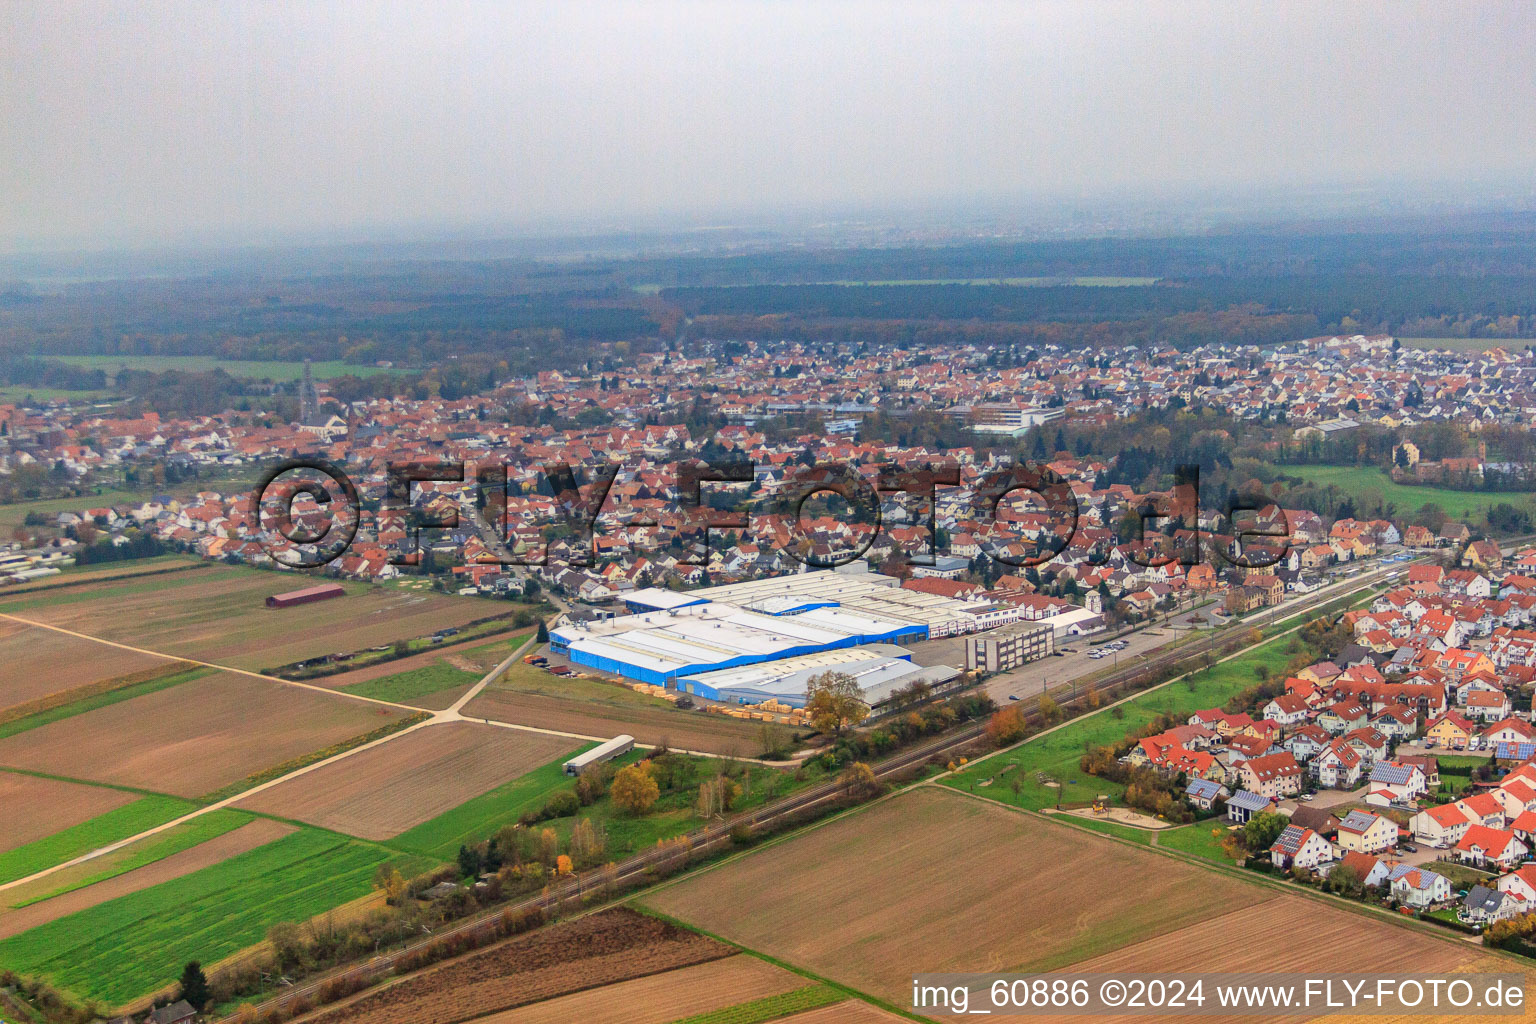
643	746
205	664
218	805
1283	889
450	715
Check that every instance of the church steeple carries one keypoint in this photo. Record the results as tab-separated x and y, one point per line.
309	397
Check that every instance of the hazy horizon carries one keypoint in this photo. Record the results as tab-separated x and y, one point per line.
141	126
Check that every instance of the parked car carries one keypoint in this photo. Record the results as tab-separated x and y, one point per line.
1013	696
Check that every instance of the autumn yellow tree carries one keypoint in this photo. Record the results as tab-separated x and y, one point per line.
394	888
858	780
1006	726
562	865
548	846
633	789
834	702
588	842
1050	711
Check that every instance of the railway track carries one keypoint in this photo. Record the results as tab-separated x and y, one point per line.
637	866
719	833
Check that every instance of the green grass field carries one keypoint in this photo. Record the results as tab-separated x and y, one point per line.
1141	836
1055	755
21	393
1367	486
405	687
771	1007
183	837
258	369
116	824
1196	839
532	679
135	944
672	815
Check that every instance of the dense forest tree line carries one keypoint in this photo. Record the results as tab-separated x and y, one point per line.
1238	326
1502	244
1250	287
1184	312
24	371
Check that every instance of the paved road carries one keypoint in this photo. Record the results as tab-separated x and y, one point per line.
1149	645
1150	642
719	833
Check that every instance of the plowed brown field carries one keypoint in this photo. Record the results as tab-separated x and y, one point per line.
934	881
660	998
682	730
33	807
196	737
40	663
221	616
1336	941
605	948
381	792
851	1012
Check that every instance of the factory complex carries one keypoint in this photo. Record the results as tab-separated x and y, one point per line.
750	642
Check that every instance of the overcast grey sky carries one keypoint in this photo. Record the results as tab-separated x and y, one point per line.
144	122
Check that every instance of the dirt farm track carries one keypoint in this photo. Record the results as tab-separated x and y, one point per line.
220	615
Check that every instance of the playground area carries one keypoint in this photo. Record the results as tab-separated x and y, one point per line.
1103	811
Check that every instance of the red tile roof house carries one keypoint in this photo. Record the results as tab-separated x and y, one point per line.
1482	846
1338	766
1441	826
1301	847
1419	887
1273	775
1520	882
1372	871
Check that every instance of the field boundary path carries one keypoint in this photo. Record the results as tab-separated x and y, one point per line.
438	718
716	834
